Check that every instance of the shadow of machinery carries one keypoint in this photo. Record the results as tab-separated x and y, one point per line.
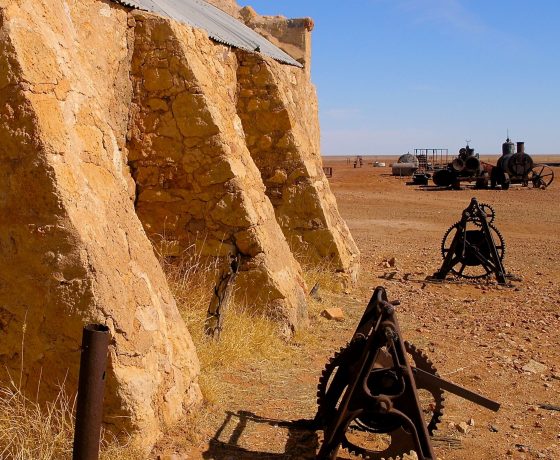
302	441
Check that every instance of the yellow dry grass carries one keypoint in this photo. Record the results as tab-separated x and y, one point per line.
31	431
248	337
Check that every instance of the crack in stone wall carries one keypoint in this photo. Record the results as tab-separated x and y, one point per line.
196	181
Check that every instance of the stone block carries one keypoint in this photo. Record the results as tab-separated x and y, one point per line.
283	135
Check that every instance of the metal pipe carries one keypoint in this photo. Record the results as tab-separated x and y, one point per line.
91	387
472	164
458	164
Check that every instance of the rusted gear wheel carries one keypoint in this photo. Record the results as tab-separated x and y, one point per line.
488	211
396	444
386	433
434	409
467	263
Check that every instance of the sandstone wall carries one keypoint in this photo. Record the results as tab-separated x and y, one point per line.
196	181
72	250
278	107
229	6
291	35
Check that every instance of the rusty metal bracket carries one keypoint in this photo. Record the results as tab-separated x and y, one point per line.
220	300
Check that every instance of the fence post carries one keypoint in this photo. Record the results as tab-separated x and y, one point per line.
91	387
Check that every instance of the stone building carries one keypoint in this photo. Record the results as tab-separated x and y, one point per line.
118	126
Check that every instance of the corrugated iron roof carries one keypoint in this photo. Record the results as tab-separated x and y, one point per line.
220	26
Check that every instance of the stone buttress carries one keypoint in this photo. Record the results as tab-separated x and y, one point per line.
196	181
72	250
278	107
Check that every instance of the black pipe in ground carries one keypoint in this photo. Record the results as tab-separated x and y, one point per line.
91	388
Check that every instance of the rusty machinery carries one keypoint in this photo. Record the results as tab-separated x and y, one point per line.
517	167
473	248
381	397
465	167
513	167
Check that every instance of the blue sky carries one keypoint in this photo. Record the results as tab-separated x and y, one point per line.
393	75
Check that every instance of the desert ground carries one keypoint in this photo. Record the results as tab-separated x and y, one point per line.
478	335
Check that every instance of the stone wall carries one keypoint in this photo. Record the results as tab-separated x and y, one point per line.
278	107
291	35
229	6
90	92
72	249
196	181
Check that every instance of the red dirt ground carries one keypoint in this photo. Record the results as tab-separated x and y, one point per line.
478	335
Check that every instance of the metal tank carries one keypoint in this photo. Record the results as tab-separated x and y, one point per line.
404	169
408	158
406	165
515	164
508	147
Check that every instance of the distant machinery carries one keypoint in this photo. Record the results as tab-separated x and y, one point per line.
406	165
429	160
465	167
359	161
519	168
513	167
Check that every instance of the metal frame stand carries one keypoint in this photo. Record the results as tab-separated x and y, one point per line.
381	398
492	264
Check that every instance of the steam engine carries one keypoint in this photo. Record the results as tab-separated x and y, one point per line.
512	166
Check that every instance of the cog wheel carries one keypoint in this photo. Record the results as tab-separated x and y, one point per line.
384	435
468	265
488	211
433	409
390	446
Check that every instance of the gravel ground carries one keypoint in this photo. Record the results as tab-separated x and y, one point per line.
501	342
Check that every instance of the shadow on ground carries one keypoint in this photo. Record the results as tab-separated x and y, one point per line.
301	443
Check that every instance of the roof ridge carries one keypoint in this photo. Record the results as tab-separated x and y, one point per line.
220	26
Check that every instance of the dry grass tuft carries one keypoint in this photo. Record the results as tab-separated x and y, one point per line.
29	430
248	337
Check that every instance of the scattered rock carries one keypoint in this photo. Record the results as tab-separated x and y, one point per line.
471	422
392	262
493	428
462	427
333	314
534	367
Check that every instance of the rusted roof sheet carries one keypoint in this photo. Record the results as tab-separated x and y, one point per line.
220	26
